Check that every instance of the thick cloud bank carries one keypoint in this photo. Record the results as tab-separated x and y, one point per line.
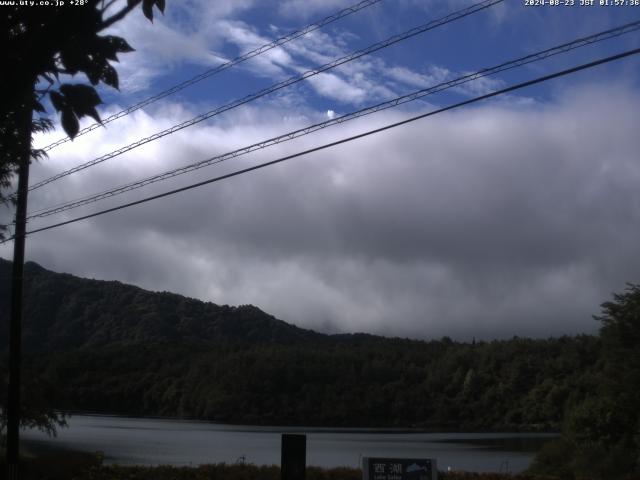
512	218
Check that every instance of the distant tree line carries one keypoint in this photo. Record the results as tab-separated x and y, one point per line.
508	385
601	426
107	347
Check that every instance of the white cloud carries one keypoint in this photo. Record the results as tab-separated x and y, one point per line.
171	41
436	75
307	8
317	47
480	86
330	85
478	223
403	74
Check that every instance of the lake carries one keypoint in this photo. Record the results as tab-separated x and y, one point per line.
143	441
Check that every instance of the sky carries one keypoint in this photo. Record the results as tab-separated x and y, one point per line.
517	215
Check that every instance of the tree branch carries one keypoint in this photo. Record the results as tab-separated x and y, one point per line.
106	7
42	93
120	15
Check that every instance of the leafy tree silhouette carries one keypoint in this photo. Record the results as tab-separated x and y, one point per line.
39	44
601	431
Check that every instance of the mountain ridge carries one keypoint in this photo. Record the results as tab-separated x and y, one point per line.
104	346
65	312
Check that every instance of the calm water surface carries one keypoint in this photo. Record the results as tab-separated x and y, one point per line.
135	441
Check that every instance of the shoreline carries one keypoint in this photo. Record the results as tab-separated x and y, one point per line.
252	427
135	441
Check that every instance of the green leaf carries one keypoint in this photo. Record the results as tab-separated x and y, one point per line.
74	59
109	53
42	125
110	76
119	43
70	123
38	154
93	73
82	99
147	8
93	113
58	101
37	106
108	47
78	93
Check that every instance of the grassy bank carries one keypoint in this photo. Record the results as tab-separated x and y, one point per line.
252	472
56	464
81	466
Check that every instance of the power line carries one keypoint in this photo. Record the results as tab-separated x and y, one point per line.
213	71
578	43
290	81
348	139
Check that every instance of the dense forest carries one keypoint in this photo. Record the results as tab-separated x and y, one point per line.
516	385
109	347
113	348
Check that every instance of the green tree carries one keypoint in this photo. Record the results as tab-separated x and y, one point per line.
601	433
620	333
38	392
39	44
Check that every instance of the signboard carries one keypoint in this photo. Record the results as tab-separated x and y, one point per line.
399	469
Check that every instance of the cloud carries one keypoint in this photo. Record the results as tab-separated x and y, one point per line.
498	13
433	77
307	8
353	82
330	85
490	222
479	86
318	47
436	75
274	63
199	34
190	33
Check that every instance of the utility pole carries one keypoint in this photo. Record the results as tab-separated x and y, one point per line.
23	118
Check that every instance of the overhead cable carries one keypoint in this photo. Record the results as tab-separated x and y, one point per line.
580	42
512	88
224	66
286	83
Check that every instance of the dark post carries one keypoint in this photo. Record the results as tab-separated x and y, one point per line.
15	325
293	461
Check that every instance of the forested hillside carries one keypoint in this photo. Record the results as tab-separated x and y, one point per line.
520	384
63	312
109	347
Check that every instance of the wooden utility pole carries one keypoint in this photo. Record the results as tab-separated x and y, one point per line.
23	118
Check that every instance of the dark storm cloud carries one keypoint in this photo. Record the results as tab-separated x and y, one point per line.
490	222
